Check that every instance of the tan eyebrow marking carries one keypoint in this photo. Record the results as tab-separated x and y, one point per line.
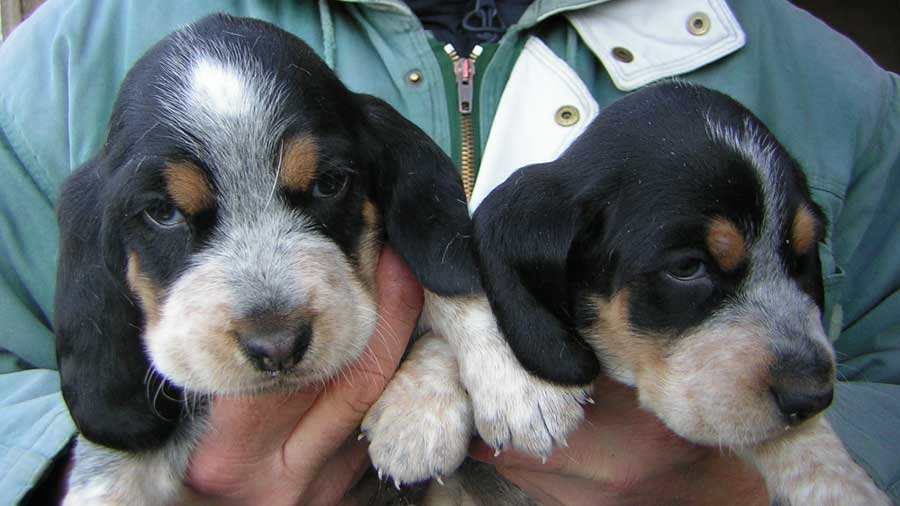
726	243
188	187
804	230
299	163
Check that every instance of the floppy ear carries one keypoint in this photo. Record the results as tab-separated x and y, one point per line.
102	365
523	233
423	202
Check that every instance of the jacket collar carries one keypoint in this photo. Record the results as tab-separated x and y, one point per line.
537	12
656	35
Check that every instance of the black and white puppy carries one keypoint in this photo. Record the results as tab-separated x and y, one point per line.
674	246
224	241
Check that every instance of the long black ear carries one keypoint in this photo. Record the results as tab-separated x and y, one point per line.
423	202
523	233
101	358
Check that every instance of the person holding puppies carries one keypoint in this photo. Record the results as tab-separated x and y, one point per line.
556	65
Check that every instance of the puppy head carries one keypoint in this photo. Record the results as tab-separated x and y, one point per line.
231	227
688	263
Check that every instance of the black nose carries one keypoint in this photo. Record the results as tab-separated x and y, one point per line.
802	379
798	404
276	350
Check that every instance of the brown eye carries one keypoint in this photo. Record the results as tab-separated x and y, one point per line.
163	215
331	185
687	269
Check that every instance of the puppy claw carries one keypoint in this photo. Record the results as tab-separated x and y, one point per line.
380	475
497	452
439	480
396	484
543	460
589	400
361	436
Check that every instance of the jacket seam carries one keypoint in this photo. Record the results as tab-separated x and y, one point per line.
17	148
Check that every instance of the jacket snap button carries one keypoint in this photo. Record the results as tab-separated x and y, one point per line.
414	76
698	23
622	54
567	115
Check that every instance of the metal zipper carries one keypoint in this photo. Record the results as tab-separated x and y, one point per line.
464	70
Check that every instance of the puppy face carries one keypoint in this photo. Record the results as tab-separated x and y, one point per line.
227	234
691	267
709	299
247	225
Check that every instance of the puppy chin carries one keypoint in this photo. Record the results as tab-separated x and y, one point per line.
712	394
193	344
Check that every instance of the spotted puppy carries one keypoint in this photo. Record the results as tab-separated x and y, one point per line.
224	241
674	247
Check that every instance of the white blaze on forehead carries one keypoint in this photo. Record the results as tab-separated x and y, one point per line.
219	87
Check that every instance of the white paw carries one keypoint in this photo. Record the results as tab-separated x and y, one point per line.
421	425
809	465
512	408
520	411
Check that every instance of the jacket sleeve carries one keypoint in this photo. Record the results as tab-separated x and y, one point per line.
34	424
866	239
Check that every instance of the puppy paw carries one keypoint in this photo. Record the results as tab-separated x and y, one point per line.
512	408
523	412
421	425
809	465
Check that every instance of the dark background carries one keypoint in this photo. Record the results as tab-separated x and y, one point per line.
873	24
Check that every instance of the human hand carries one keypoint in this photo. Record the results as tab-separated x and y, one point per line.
301	448
623	455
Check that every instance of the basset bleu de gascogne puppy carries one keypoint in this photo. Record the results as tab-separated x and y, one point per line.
224	240
673	246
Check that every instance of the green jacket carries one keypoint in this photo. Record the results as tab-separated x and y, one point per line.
829	104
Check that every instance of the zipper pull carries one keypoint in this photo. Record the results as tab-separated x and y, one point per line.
464	70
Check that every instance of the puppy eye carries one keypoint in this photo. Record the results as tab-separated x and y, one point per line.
687	269
331	185
164	215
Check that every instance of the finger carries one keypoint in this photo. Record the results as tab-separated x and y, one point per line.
260	419
340	473
340	408
243	432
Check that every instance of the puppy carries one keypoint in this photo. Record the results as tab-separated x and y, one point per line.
674	247
224	241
